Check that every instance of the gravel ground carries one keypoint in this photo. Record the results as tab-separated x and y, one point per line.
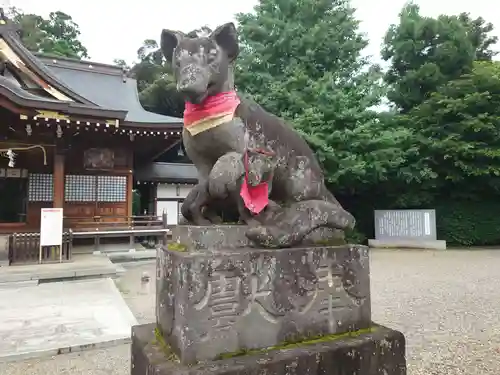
446	303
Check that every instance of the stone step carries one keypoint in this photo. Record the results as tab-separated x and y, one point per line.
82	266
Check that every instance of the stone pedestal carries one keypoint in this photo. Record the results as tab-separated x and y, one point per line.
219	297
381	351
214	299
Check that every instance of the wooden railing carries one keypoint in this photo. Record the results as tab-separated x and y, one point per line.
109	222
25	248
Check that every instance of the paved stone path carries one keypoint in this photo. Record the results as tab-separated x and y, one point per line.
447	304
50	318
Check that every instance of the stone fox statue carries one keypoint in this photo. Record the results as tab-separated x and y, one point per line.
217	121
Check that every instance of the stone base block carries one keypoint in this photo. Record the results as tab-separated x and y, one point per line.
216	237
381	351
408	244
215	302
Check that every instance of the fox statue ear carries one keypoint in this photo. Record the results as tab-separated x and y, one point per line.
169	40
226	37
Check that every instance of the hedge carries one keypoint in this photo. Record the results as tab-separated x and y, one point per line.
469	223
459	222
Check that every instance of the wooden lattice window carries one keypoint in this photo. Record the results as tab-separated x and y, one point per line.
80	188
112	188
40	187
86	188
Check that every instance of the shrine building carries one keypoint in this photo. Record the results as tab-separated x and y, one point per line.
73	135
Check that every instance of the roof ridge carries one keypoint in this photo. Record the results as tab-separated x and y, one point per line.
83	66
71	63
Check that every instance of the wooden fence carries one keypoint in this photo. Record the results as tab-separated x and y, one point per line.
25	247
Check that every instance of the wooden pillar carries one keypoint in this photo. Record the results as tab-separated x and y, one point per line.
153	200
130	186
58	180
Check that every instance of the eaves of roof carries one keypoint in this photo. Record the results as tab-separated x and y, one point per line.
24	98
97	90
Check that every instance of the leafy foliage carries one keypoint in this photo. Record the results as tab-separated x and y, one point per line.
459	126
150	66
426	52
478	31
155	81
121	63
302	60
56	36
162	97
446	87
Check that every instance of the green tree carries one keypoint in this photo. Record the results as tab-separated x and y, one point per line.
479	33
157	87
150	65
121	63
57	36
426	52
458	130
155	81
162	96
459	126
302	60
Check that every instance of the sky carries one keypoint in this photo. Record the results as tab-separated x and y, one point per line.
110	29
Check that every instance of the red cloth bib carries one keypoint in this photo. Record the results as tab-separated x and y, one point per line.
223	103
256	198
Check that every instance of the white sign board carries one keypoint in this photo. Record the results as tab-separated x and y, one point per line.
405	224
51	227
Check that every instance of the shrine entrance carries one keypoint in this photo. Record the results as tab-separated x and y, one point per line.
14	195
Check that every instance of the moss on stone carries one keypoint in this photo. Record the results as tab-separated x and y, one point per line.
298	343
175	246
171	356
331	242
167	350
